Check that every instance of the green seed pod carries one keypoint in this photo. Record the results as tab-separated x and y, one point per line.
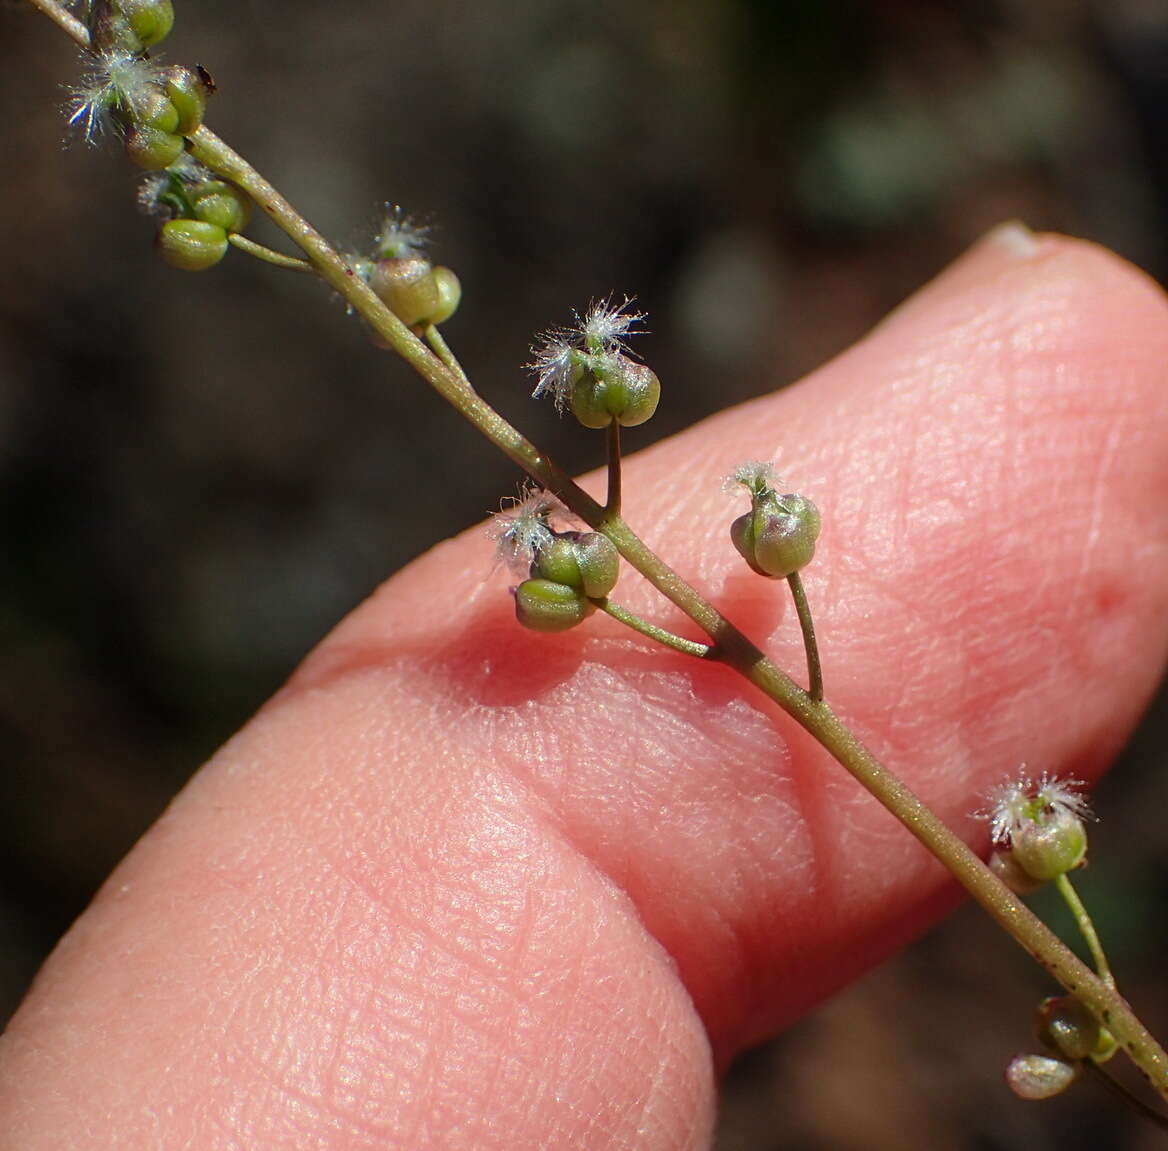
586	562
129	25
599	563
1039	1077
449	295
777	536
544	605
613	387
407	285
192	245
149	20
152	148
187	92
1050	844
1065	1025
558	561
217	202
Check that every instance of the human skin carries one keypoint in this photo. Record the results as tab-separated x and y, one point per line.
463	886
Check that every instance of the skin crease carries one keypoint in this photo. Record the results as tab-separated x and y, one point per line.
459	885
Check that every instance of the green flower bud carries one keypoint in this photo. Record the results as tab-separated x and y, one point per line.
610	387
1065	1025
1050	845
449	295
192	245
414	290
587	562
547	606
599	564
777	536
153	148
129	25
217	202
149	20
1039	1077
187	92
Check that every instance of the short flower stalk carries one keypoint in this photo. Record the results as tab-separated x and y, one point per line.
563	545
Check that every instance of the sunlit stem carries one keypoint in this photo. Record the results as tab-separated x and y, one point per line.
268	255
807	624
1086	928
631	619
612	505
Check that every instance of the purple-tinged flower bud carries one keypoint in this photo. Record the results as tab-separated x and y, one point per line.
1064	1024
1010	872
777	536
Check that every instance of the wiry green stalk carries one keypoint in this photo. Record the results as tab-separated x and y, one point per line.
730	646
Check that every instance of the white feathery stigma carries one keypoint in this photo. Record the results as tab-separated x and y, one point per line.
522	528
400	236
560	354
754	475
116	79
1025	800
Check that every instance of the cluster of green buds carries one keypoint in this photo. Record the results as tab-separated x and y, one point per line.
201	212
404	279
587	368
777	536
1040	829
566	570
153	108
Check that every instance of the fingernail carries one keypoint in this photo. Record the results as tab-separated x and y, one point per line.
1012	237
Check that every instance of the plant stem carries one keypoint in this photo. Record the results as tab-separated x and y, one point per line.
1086	927
730	645
612	505
64	19
268	255
807	625
631	619
442	350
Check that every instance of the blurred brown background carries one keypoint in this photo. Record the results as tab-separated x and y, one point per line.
200	474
